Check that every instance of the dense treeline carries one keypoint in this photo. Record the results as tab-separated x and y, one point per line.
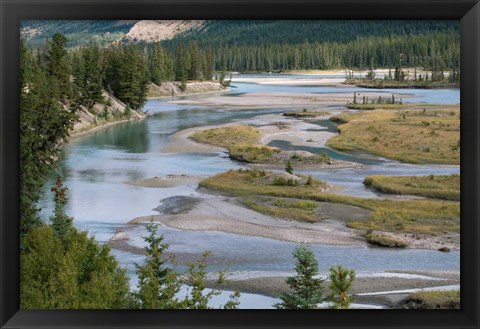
428	51
247	46
54	85
291	32
182	61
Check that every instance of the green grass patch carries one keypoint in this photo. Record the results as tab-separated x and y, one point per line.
424	216
416	136
252	153
228	136
300	210
439	187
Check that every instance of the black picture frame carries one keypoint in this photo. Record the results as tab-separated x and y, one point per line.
12	11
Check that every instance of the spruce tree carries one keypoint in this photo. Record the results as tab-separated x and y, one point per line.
158	285
61	222
307	291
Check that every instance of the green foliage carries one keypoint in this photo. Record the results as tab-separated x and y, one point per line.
309	181
58	67
281	181
307	291
159	285
62	268
61	222
45	121
78	274
252	153
341	280
198	297
289	168
87	75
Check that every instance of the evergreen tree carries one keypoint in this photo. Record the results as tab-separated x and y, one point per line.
288	167
158	285
58	67
307	291
61	222
44	123
341	280
181	64
61	268
208	65
87	74
132	77
195	67
198	297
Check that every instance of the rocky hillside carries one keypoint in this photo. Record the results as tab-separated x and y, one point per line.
154	31
171	88
113	111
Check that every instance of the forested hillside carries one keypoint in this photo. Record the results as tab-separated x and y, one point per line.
291	32
77	32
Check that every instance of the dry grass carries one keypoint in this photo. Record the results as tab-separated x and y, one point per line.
300	210
382	83
440	187
305	114
380	239
252	153
423	216
417	136
228	136
449	299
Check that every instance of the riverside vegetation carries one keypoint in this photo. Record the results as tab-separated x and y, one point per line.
422	216
413	135
242	143
432	186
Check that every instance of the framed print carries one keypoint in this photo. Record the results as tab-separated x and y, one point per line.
239	164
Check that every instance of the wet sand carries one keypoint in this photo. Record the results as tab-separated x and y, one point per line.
265	100
230	216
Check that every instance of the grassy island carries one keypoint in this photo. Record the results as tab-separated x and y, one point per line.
425	216
392	84
439	187
414	135
228	136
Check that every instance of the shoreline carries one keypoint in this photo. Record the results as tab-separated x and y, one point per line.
103	126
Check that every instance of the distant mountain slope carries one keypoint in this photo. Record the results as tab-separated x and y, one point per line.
227	32
251	32
154	31
78	32
83	32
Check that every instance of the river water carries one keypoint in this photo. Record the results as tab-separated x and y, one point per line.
95	168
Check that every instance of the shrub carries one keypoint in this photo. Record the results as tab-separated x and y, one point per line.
289	168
